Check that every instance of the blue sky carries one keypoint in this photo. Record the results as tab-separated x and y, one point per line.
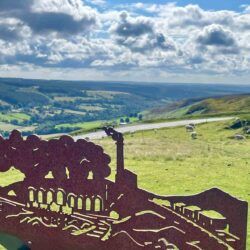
166	41
205	4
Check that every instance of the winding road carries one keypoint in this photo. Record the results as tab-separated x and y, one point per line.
150	126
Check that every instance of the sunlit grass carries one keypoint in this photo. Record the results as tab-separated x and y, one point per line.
14	116
169	162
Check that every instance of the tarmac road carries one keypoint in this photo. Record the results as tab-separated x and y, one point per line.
150	126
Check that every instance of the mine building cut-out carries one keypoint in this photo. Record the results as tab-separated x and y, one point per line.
66	200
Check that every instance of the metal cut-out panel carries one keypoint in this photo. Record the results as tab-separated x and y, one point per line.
65	201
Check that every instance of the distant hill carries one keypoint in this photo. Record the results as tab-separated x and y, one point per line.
226	105
24	91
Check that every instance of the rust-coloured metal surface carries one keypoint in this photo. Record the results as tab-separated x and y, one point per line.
66	202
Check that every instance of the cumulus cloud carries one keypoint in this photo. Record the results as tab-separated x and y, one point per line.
243	23
128	27
215	35
191	16
217	39
12	30
74	8
62	16
146	43
57	22
139	34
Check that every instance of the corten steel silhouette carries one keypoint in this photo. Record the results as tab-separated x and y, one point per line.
65	202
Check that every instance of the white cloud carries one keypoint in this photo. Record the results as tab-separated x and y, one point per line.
74	8
127	41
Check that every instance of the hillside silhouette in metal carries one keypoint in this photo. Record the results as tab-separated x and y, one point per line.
65	201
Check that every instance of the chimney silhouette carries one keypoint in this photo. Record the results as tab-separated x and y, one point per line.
118	138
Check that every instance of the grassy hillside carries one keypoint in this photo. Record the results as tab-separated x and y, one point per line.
169	162
226	105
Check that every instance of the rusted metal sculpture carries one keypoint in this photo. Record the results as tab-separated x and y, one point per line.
66	202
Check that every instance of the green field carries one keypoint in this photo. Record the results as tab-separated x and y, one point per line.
169	162
14	116
83	125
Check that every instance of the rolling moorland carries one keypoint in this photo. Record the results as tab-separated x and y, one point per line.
234	105
50	107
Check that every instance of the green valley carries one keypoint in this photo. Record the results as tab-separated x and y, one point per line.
53	107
